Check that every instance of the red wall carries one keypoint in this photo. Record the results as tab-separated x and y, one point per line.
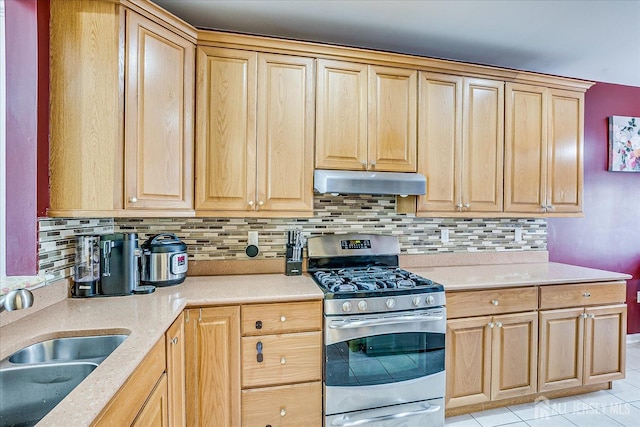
608	236
27	62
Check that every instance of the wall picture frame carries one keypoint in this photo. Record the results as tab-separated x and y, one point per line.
624	144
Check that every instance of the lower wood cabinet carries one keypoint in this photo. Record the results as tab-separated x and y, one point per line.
154	411
175	345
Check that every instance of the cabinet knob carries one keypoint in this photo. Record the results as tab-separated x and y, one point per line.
283	412
283	361
373	165
283	319
258	324
499	324
363	163
459	206
174	340
251	202
133	199
491	325
586	294
494	302
467	205
591	316
582	316
260	203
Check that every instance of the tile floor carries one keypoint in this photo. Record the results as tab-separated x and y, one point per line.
617	407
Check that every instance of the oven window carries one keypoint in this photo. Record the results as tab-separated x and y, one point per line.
384	359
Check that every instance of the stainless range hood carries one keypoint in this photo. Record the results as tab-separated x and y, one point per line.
368	182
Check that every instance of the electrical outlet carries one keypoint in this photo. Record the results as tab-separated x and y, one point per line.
638	296
252	238
518	234
444	235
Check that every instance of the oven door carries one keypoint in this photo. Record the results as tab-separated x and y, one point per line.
417	414
375	361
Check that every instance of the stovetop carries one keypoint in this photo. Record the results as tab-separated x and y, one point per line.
374	281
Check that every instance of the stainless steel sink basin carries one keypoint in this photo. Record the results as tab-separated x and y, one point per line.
92	348
28	393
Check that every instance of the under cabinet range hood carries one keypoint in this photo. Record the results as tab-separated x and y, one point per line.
369	182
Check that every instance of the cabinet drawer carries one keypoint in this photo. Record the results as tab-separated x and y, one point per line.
265	319
559	296
283	406
289	358
492	301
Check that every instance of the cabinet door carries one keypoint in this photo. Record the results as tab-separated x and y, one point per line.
440	141
514	355
176	372
392	119
561	349
284	406
341	116
154	411
158	117
286	118
213	366
226	129
482	145
605	343
468	361
565	159
525	148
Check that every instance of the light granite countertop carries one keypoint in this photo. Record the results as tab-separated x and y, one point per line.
146	317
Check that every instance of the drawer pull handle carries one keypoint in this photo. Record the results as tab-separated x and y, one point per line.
491	325
586	294
283	412
283	361
283	319
258	324
494	302
259	356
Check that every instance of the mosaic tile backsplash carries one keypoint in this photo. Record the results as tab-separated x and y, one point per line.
226	238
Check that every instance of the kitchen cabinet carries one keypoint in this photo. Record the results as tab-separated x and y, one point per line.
254	142
460	144
583	338
121	116
175	346
491	357
543	150
366	117
142	400
213	366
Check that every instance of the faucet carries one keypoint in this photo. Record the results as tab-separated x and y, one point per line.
16	300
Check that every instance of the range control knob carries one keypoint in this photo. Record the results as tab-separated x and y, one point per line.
346	307
362	305
416	301
391	303
430	299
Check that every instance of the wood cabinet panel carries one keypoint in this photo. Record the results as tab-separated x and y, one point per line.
226	129
175	346
582	294
605	341
514	355
287	358
154	412
213	366
283	406
468	361
491	301
285	135
264	319
341	116
392	119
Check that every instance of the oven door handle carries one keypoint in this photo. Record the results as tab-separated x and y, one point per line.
345	324
348	422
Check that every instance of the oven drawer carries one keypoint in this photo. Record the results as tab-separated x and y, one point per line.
581	294
265	319
289	405
491	301
288	358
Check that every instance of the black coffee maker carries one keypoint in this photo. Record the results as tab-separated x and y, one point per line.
119	254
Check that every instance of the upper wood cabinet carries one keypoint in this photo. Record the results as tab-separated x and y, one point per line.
254	142
121	115
366	117
460	144
543	150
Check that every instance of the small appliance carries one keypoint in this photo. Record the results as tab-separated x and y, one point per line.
87	266
164	260
119	253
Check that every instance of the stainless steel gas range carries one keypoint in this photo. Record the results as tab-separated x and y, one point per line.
384	335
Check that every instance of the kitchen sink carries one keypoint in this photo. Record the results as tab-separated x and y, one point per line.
91	348
28	393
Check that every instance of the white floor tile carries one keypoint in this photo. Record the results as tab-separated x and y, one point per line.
495	417
633	376
626	391
530	411
567	405
554	421
600	399
591	418
626	414
465	420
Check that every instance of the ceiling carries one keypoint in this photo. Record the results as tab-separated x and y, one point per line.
591	40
